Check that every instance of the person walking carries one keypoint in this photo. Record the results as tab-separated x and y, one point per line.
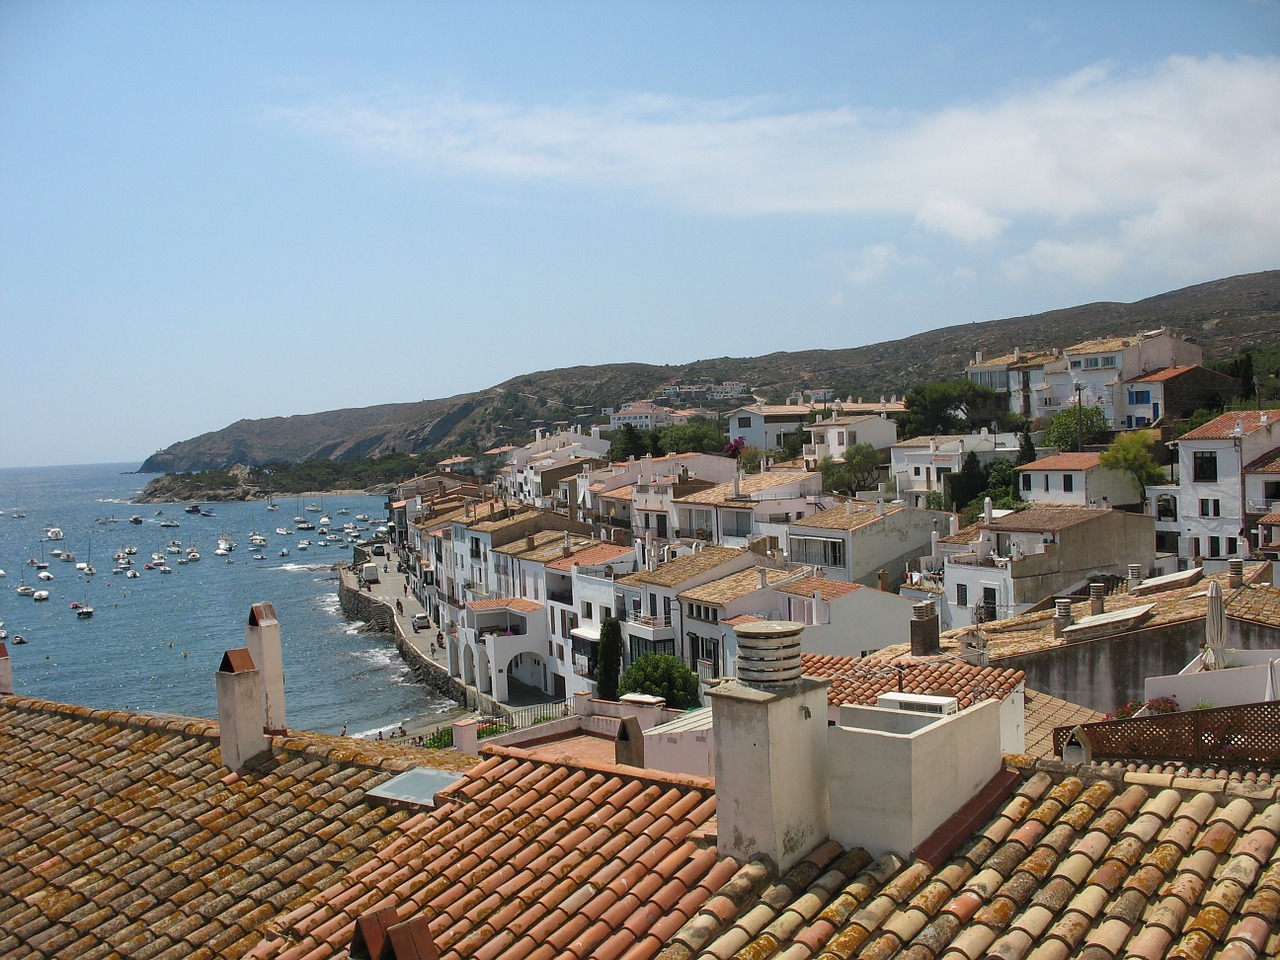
406	587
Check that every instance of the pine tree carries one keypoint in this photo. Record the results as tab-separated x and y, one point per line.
609	663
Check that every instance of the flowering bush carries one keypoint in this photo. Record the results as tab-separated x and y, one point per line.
1157	705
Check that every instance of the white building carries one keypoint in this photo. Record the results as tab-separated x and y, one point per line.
767	426
1222	466
1076	479
920	465
643	415
833	436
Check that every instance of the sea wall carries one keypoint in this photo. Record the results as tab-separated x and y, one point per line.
379	617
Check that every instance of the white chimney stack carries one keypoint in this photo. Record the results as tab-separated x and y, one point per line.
262	639
240	714
6	672
770	750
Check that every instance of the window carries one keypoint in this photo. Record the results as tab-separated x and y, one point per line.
586	610
744	423
1210	508
1215	546
1231	546
962	594
737	523
1139	396
1108	361
1026	482
1204	466
1046	483
1068	483
1075	364
824	553
1091	363
917	471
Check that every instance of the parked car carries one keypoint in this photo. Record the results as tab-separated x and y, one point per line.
420	622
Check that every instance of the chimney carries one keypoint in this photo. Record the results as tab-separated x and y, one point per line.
1017	354
262	638
882	579
987	515
1235	573
925	630
240	715
880	507
737	481
6	672
528	542
762	578
1134	579
1061	616
977	356
1097	591
770	750
953	525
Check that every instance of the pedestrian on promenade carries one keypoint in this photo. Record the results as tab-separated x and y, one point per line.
406	587
399	607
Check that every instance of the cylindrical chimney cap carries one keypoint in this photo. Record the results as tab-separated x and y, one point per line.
769	652
1062	608
922	610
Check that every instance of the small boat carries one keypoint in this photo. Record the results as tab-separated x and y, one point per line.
19	639
40	595
258	556
2	574
135	519
44	575
284	552
225	542
84	613
344	512
167	569
193	508
67	557
53	533
305	525
192	556
169	523
324	520
312	508
26	590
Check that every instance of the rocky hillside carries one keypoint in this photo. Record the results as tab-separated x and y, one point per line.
1222	316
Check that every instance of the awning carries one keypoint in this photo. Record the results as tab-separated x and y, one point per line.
586	633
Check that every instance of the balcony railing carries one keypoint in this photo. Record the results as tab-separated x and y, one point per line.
1262	506
653	623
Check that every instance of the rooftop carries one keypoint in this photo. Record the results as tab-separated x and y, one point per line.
825	587
677	571
861	679
1223	427
849	515
736	585
1065	461
723	494
123	831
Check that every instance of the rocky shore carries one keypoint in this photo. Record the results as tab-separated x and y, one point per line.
183	488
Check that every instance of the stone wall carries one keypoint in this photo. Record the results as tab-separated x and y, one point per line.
380	618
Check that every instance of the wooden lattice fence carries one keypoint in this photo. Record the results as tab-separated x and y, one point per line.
1226	736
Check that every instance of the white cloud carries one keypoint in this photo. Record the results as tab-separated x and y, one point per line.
868	264
1086	174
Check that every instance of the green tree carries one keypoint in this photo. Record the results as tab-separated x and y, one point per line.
793	445
1026	450
951	406
626	443
967	484
1134	454
857	471
1076	426
609	663
696	435
662	675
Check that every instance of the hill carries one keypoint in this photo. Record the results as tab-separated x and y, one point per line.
1223	316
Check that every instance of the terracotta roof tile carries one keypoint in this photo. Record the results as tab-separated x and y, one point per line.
861	680
681	569
1223	427
142	845
1065	461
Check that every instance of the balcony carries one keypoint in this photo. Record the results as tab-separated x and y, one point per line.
1262	506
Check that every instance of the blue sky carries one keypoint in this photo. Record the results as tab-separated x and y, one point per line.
215	211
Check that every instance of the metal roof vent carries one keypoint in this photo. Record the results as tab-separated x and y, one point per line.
769	652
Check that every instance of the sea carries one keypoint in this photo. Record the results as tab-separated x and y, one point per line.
155	641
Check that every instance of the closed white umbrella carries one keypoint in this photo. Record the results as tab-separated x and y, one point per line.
1270	692
1215	628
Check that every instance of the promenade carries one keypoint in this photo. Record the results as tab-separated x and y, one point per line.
390	588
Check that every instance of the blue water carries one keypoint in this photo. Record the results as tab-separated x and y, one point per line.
155	642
